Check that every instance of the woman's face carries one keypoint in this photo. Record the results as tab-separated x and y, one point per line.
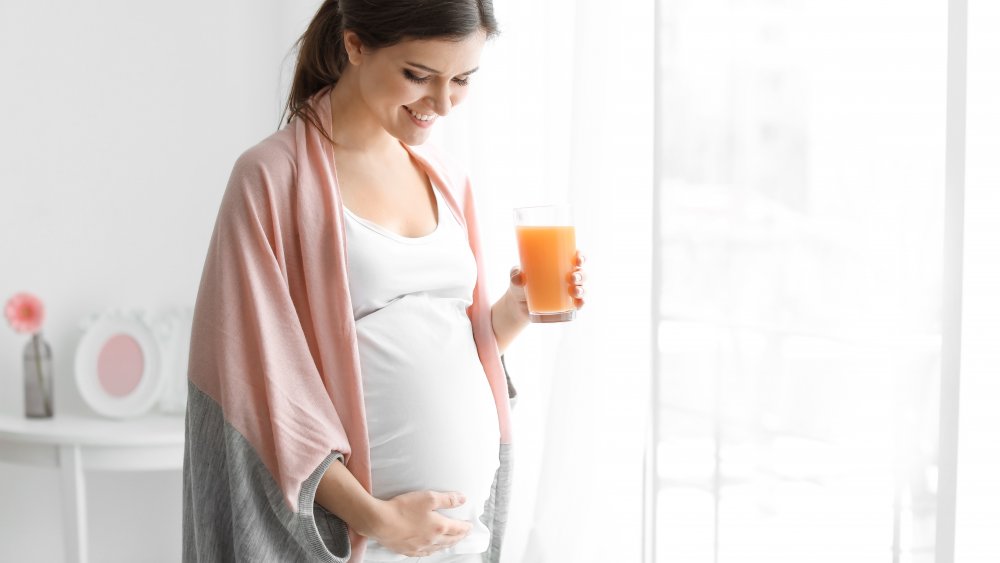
408	86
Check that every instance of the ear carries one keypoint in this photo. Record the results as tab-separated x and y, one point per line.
354	47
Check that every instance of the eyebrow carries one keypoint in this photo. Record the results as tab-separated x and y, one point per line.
429	69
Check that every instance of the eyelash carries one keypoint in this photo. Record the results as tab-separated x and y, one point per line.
423	79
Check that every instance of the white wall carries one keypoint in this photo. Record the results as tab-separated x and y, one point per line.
121	122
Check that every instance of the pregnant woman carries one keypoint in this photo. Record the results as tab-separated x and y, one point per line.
347	398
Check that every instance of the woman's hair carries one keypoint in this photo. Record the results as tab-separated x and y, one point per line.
378	23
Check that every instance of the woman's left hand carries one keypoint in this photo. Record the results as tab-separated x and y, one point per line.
576	279
574	285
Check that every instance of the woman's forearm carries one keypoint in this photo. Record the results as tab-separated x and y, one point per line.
507	321
341	493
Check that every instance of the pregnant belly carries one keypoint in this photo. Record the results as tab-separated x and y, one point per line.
432	421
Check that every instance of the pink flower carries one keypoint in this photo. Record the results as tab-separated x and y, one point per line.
25	313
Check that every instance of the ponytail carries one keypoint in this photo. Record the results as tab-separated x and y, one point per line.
320	62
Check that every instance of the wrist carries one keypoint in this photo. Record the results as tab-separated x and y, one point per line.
371	519
509	317
341	494
516	311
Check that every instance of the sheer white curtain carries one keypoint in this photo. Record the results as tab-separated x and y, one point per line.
802	239
978	510
561	112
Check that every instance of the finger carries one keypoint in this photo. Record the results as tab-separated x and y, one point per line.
448	500
577	291
580	258
449	532
447	544
462	530
445	526
516	276
444	542
577	277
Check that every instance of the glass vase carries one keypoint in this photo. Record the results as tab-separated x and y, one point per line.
37	378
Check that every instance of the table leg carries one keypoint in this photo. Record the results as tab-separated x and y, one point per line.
74	504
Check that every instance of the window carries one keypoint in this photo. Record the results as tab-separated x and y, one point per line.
801	164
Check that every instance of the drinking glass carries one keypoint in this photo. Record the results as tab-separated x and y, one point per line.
546	242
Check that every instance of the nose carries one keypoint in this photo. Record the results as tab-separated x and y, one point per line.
441	100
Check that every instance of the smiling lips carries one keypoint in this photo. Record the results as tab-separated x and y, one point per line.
424	119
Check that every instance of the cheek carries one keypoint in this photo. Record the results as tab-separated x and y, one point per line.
458	94
403	92
400	91
388	94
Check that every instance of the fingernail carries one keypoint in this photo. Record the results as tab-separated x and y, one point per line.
577	277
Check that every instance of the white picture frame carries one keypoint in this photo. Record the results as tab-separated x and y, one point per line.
119	364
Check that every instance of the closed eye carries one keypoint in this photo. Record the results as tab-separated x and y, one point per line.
414	78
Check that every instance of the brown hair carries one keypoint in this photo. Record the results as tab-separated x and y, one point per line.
378	23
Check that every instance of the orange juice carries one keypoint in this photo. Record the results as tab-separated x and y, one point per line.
547	261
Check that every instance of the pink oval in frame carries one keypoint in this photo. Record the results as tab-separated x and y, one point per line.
120	365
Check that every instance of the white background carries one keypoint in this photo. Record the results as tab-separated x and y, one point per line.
121	123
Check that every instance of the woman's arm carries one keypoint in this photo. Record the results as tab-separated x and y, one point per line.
509	319
407	524
340	493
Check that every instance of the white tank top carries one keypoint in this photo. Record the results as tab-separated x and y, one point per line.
432	421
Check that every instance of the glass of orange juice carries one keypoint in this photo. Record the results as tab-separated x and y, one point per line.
546	242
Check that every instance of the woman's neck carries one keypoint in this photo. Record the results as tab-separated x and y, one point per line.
354	127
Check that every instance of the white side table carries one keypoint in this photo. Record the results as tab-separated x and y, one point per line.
76	444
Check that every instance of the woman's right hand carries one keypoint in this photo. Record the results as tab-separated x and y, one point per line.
408	523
